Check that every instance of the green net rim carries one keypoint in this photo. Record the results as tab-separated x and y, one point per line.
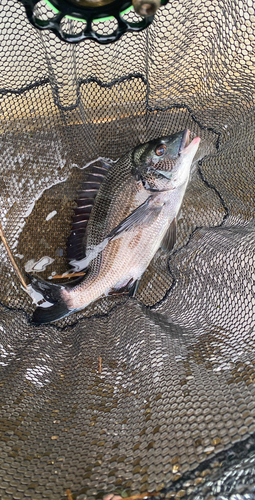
110	18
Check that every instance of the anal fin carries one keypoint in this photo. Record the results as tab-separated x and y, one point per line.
134	288
124	290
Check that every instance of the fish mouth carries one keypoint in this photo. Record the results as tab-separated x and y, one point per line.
187	147
185	140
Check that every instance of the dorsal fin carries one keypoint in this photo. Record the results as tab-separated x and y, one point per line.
76	242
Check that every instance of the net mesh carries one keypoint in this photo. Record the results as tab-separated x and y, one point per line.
172	410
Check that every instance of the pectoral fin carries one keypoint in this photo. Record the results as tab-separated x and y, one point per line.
143	215
169	239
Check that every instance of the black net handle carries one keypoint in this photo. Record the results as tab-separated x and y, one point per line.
88	14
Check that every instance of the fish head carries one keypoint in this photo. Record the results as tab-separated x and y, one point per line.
164	163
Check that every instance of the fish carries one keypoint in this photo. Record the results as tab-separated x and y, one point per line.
121	222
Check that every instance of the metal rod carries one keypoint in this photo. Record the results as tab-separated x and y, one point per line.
15	267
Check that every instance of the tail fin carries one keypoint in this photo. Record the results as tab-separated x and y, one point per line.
49	314
51	293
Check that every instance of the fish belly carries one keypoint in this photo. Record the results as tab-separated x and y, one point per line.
136	251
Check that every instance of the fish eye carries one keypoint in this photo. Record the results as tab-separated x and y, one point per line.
160	150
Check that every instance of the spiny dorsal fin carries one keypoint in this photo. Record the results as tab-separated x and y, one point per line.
169	239
76	243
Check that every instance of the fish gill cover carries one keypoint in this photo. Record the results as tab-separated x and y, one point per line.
154	393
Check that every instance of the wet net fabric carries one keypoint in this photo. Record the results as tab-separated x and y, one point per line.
171	411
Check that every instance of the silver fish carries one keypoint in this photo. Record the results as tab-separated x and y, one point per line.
133	216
